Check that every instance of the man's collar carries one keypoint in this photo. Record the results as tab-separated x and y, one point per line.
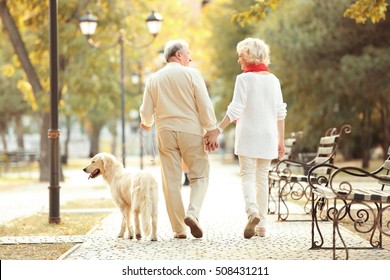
173	63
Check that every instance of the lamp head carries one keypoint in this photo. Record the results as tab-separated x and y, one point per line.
154	23
88	24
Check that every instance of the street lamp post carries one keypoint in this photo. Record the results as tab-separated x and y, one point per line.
88	24
54	132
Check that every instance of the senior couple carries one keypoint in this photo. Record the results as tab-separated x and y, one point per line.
177	100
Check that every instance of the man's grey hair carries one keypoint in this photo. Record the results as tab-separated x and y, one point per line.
173	46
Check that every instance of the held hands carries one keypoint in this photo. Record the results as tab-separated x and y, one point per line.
210	140
145	127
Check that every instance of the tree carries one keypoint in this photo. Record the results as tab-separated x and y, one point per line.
332	70
32	77
338	68
88	78
360	11
221	68
12	106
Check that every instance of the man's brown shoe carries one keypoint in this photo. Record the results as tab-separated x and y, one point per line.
196	231
253	220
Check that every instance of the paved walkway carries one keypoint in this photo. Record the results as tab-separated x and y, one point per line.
222	218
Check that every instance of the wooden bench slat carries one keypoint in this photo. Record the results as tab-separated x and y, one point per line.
320	159
327	140
365	195
386	165
325	150
385	180
355	194
289	142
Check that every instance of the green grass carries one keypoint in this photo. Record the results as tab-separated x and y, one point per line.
34	251
38	225
71	223
78	223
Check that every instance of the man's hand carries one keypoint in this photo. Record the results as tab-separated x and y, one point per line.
210	140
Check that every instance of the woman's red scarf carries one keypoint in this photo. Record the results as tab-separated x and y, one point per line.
256	68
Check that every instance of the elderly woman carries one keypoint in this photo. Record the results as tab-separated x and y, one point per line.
258	109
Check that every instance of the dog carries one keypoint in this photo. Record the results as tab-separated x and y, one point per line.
135	194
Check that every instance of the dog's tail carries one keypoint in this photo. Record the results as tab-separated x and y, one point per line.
146	196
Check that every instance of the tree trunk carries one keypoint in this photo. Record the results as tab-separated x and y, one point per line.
19	47
19	132
22	54
385	115
67	139
95	138
3	133
366	138
113	143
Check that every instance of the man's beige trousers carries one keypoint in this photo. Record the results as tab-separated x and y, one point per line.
174	146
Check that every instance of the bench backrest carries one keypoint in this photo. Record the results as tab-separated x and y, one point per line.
386	165
386	168
289	144
328	146
290	149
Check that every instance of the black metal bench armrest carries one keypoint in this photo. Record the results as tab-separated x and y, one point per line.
344	189
322	180
283	170
382	167
289	162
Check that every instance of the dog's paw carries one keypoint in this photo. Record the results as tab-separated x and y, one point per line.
138	236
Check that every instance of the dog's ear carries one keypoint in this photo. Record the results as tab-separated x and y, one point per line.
107	163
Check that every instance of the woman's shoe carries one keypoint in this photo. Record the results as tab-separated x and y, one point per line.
253	220
261	231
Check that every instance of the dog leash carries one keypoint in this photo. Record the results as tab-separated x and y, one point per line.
153	149
145	150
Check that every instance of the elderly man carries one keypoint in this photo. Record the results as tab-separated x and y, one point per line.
176	98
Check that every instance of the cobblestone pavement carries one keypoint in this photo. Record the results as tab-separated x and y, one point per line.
222	218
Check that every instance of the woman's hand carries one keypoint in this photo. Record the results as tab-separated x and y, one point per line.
210	140
281	150
145	127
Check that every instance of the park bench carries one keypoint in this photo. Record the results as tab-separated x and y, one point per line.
289	153
17	159
360	197
3	162
291	176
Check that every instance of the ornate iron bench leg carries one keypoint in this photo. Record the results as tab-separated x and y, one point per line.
335	219
271	199
315	229
281	202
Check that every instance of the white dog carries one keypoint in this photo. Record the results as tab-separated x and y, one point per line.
133	193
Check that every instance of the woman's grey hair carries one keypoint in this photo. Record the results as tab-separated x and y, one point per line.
173	46
254	51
